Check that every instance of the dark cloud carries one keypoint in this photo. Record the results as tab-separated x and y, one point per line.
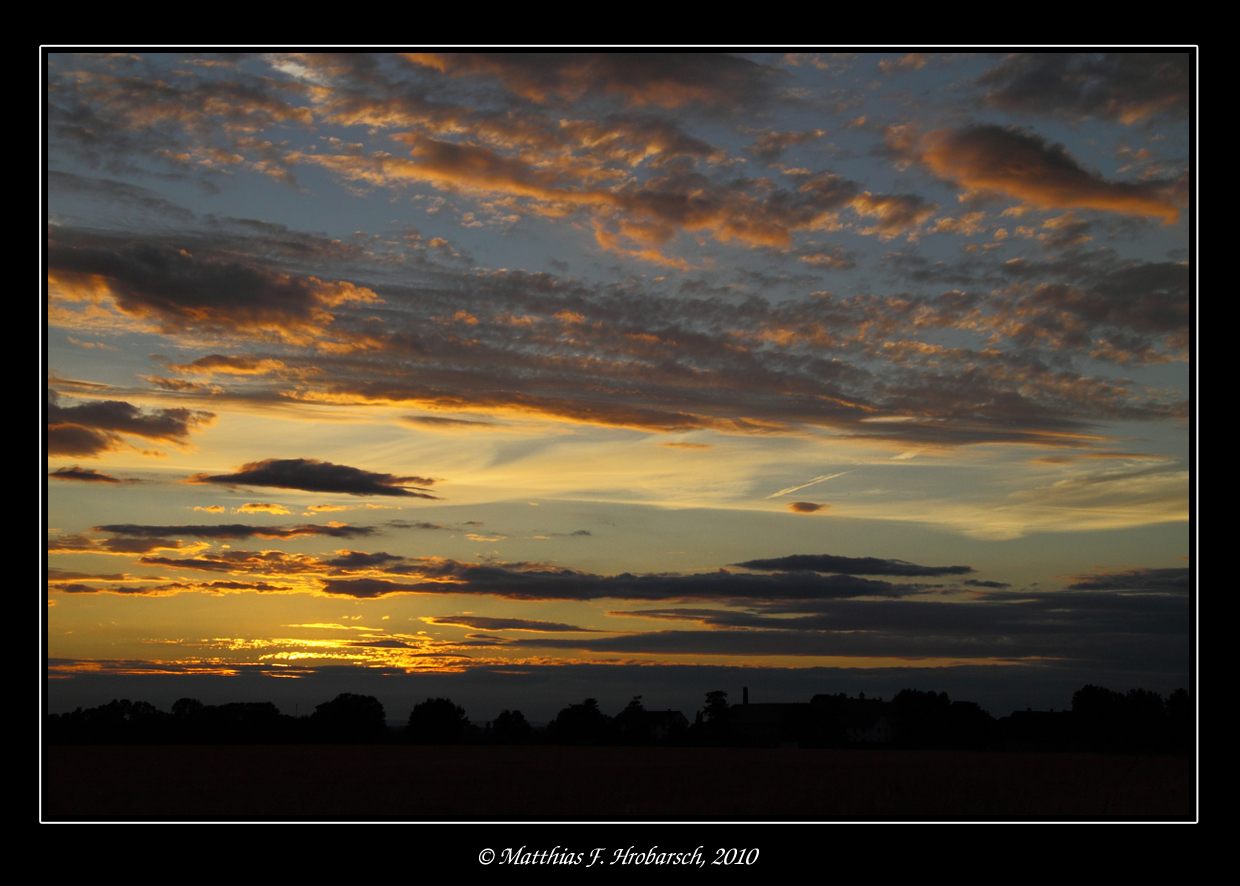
367	588
204	121
1166	581
276	242
54	575
483	623
851	566
770	146
524	581
312	475
1082	302
919	269
1066	231
1102	628
637	359
122	417
176	587
125	590
636	137
385	643
913	61
834	258
893	214
638	176
1125	86
183	291
661	79
1108	650
974	583
75	440
113	191
174	384
351	560
261	562
97	426
805	507
235	530
636	216
57	543
1150	297
218	586
414	524
87	474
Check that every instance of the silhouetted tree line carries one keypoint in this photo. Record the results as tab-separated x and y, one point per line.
346	719
1100	721
439	721
1104	721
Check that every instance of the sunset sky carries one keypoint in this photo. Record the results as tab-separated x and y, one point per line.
521	378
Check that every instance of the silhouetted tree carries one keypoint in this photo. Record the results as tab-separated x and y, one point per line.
437	721
253	722
829	718
349	718
510	727
185	709
1139	721
714	718
969	726
580	724
631	725
716	710
920	719
1096	702
118	722
1177	703
1179	721
1096	716
1146	723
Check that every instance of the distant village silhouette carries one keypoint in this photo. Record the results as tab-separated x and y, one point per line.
1100	720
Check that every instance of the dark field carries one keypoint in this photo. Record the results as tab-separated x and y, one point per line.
385	782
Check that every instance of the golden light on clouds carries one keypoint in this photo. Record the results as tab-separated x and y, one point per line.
523	356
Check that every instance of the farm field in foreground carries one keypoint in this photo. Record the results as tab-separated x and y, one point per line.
386	782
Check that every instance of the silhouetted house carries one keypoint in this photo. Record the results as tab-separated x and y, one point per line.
826	721
663	725
785	725
840	720
776	724
865	724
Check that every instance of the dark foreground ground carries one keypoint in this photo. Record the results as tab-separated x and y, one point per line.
409	783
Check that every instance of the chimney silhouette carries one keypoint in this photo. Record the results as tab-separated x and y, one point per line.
745	695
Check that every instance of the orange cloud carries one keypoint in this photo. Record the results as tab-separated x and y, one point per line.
914	61
179	291
261	508
220	364
668	80
1020	164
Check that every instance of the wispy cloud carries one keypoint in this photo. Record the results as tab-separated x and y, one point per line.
805	485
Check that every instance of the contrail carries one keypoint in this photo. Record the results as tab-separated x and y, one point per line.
810	483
